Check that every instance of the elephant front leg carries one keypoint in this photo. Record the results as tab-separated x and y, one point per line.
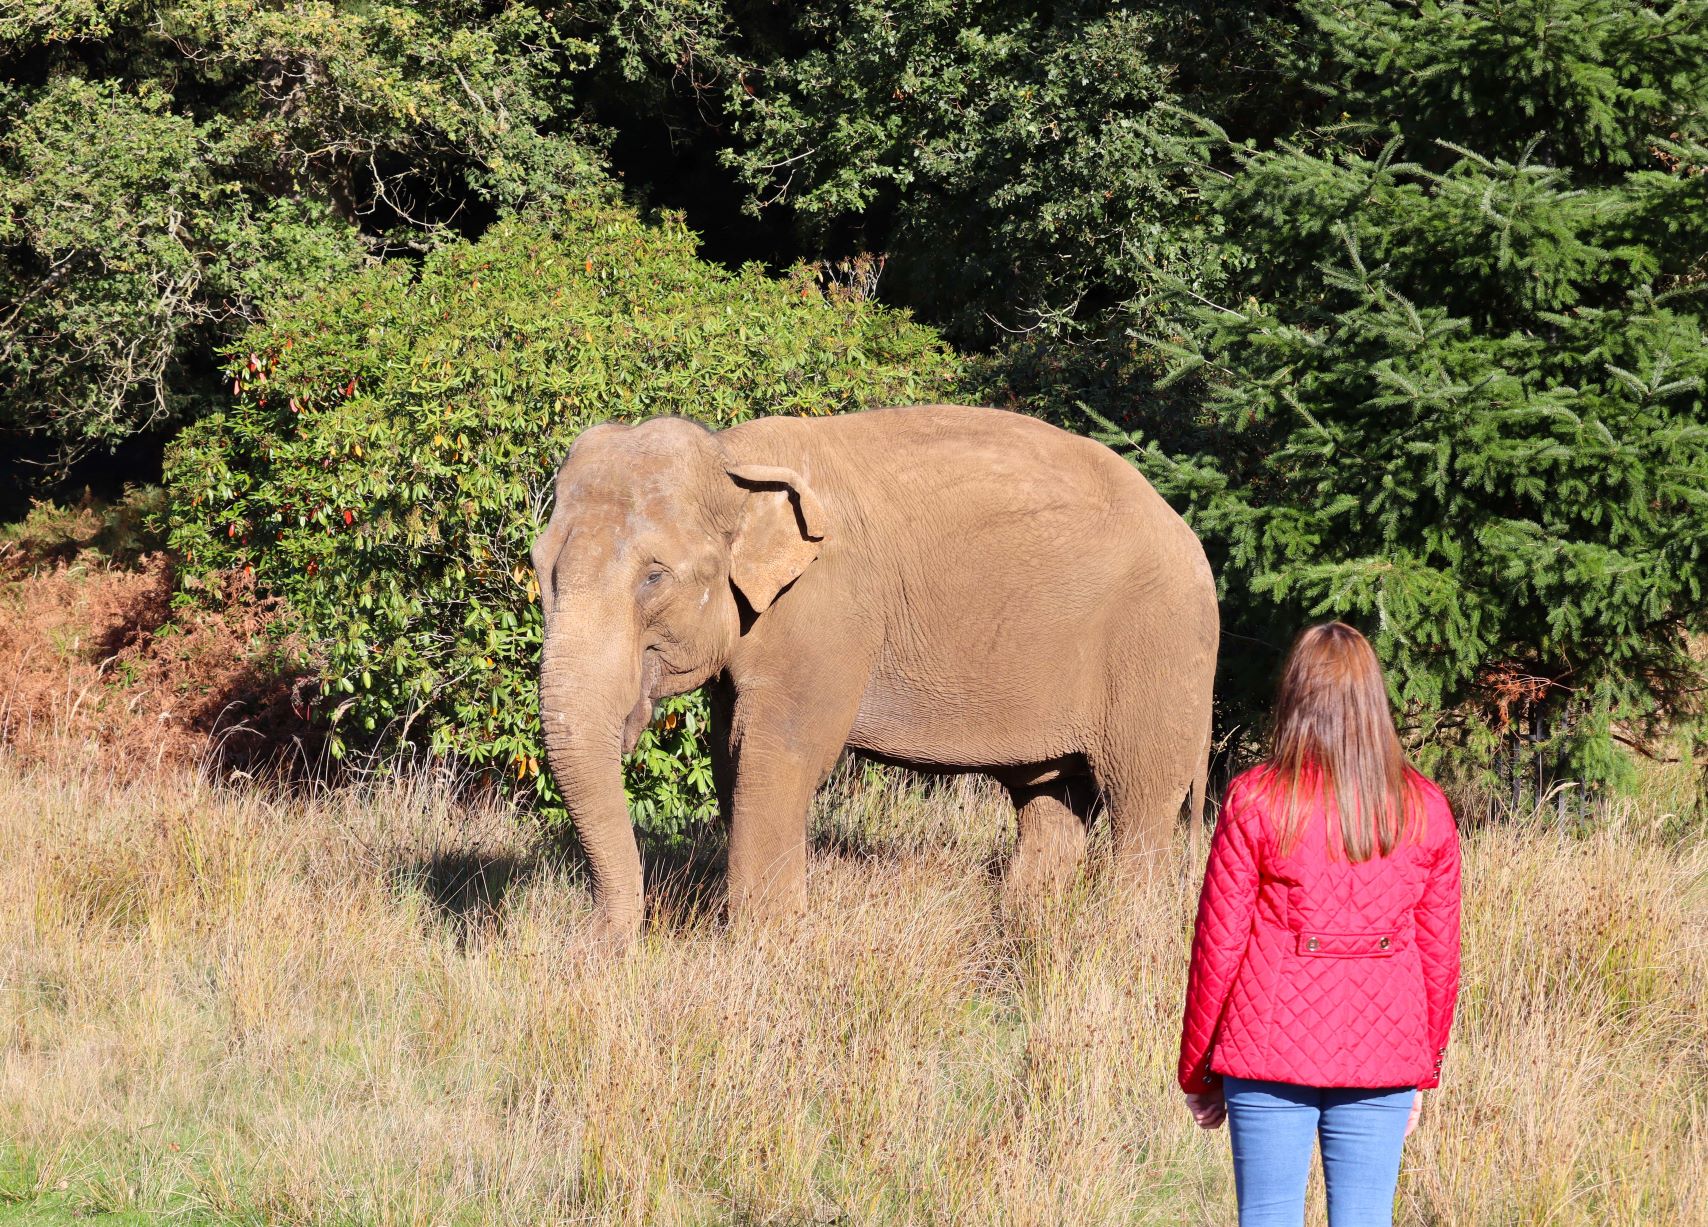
780	756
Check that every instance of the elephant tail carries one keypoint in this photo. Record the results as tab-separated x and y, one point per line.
1200	786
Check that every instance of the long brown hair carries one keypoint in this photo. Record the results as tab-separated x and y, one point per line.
1334	738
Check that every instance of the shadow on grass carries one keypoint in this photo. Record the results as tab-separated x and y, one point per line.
685	882
467	891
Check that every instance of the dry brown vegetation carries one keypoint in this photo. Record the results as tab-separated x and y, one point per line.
94	659
375	1006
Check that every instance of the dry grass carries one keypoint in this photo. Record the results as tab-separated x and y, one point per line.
295	1011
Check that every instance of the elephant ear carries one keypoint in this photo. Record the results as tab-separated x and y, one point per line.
778	534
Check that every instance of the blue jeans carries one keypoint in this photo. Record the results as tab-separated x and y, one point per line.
1273	1126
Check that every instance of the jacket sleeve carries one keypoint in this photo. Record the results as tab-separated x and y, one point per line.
1226	905
1438	944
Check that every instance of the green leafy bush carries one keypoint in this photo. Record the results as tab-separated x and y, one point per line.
389	453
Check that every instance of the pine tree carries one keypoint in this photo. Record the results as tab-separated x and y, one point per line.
1458	397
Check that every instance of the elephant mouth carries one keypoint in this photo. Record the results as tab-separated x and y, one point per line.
652	672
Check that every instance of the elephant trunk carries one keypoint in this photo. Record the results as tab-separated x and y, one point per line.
588	695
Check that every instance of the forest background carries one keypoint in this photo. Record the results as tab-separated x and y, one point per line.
1402	304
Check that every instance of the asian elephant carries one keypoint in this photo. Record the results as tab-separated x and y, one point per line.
944	587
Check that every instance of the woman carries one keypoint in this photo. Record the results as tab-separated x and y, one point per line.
1325	963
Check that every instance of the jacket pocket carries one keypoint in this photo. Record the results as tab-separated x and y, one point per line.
1375	945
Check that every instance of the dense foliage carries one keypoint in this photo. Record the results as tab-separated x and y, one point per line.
167	170
1400	302
387	460
1027	168
127	250
1025	164
1460	398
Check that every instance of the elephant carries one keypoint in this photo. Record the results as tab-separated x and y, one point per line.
939	586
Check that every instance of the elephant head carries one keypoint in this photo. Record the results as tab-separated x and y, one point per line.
656	538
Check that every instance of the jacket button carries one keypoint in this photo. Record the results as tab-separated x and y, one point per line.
1312	944
1383	943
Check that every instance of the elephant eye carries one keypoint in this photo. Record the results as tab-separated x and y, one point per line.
653	576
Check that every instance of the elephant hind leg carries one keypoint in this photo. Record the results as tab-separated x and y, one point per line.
1052	820
1147	772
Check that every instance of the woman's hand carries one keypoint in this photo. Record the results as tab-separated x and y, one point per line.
1416	1111
1209	1109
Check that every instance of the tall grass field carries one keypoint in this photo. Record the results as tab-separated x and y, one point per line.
376	1007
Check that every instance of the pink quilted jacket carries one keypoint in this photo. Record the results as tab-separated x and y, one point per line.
1312	970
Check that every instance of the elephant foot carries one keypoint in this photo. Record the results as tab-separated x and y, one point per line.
1049	851
758	906
1138	865
613	933
767	870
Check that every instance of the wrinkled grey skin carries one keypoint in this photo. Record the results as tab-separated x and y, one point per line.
945	587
